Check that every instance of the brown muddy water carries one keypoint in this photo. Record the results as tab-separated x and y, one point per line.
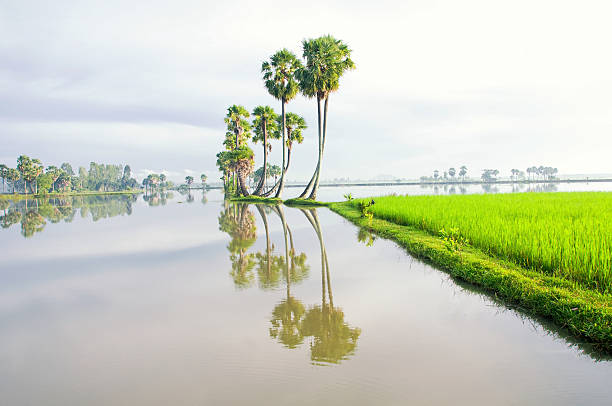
184	299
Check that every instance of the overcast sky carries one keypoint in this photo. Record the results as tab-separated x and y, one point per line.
488	84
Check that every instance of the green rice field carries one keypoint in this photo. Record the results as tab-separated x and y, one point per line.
567	235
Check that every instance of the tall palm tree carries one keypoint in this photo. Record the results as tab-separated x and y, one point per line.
327	58
264	125
279	78
238	130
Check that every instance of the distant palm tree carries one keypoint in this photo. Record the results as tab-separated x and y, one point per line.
188	180
327	58
463	171
279	77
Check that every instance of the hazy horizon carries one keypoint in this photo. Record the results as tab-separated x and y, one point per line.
437	84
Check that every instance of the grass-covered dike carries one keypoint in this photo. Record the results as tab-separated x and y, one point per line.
583	308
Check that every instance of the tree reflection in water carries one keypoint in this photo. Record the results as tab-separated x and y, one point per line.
331	339
238	221
33	214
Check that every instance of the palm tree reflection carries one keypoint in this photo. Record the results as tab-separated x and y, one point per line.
331	340
238	221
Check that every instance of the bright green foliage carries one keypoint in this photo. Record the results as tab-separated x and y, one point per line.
327	58
294	126
265	121
44	182
238	127
279	75
29	168
453	240
568	235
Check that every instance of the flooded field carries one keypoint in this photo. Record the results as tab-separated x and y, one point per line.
186	299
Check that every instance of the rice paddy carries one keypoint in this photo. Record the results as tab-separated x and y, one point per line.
567	235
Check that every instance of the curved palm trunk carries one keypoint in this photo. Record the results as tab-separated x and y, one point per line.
282	178
320	131
264	218
280	213
313	219
315	188
265	161
277	184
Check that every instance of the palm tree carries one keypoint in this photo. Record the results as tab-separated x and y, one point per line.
326	61
162	180
30	169
203	180
55	173
294	125
463	171
188	180
242	162
13	176
264	125
452	172
279	75
238	126
238	130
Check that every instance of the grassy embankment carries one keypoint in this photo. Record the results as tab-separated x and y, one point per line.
550	254
18	196
256	199
276	200
304	203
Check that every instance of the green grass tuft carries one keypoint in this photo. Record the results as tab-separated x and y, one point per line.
304	203
257	199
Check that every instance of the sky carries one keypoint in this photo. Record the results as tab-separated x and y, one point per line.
438	84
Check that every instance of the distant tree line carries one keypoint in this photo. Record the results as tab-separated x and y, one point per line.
30	176
490	175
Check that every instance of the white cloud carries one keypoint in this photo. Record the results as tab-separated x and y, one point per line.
437	83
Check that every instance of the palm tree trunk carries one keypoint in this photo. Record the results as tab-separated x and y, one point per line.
282	179
243	188
265	162
315	188
307	189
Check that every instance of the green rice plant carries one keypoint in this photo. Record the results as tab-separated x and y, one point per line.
568	235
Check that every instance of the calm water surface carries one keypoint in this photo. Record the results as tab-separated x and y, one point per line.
188	300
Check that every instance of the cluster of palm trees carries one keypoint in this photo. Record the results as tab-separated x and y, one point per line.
155	181
326	59
543	172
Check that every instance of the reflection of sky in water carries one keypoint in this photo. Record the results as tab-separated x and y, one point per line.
143	309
